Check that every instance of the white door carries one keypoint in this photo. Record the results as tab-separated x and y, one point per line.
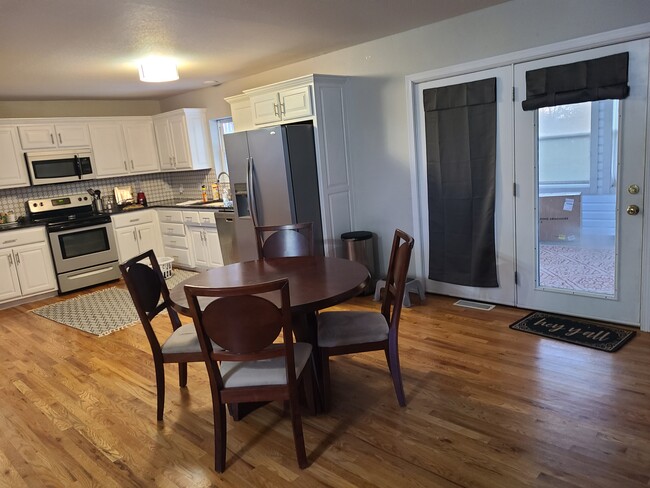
34	267
140	143
214	247
504	200
108	148
9	286
180	144
578	169
12	164
127	243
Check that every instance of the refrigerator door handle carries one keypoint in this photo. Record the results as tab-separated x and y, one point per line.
252	203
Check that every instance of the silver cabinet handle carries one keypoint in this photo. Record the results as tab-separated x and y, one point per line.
276	112
140	234
126	168
60	139
52	138
9	241
17	259
282	109
135	236
11	260
132	167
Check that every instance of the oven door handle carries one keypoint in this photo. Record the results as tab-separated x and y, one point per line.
77	165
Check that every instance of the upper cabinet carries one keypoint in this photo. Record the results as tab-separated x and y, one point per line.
47	136
12	164
183	140
289	104
123	147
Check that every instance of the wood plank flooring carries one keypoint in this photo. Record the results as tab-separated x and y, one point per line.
487	407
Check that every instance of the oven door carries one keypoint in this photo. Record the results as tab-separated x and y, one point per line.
83	247
59	167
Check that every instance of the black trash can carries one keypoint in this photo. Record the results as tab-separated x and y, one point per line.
359	246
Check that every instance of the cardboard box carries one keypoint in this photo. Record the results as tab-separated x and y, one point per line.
559	217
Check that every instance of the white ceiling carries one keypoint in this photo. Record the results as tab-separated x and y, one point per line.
87	49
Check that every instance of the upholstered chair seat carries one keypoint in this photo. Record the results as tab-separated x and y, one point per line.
343	328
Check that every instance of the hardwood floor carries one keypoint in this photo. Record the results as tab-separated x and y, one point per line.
487	407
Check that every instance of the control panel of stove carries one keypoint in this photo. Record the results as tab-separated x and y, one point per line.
58	203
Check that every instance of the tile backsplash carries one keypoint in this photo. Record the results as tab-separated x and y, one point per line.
157	187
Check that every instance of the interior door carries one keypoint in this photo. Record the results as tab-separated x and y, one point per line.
580	173
504	205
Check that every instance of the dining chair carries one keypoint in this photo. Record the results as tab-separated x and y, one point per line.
150	296
347	332
289	240
252	366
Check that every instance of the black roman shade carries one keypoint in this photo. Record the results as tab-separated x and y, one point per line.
460	124
586	81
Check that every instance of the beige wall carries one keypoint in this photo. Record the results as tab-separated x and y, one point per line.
78	108
379	147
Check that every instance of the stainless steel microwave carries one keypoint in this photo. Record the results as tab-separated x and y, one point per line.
47	167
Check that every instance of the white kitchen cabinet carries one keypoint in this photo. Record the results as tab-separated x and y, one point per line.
322	100
202	231
47	136
12	164
183	140
290	104
137	232
124	147
26	267
175	239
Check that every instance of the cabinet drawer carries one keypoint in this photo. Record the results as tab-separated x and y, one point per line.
175	216
206	219
176	241
21	237
133	218
191	217
181	256
172	229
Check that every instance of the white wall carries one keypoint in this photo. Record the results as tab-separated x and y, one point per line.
77	108
378	111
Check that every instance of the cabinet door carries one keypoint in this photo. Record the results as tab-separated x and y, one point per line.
163	139
37	136
12	165
108	149
72	135
140	144
127	243
35	268
9	284
296	103
149	238
179	142
199	247
265	108
214	248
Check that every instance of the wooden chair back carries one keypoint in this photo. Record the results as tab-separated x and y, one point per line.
147	286
278	241
398	266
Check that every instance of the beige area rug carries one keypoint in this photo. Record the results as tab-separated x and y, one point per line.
102	312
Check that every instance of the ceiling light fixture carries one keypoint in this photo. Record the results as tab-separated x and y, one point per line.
156	70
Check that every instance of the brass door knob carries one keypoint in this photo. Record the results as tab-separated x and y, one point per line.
632	209
633	189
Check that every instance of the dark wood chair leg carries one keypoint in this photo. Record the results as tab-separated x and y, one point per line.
219	419
182	375
396	375
325	387
160	389
298	436
307	387
387	353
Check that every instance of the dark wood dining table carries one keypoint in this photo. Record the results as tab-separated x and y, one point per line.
315	283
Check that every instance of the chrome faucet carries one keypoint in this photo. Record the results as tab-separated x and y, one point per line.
221	174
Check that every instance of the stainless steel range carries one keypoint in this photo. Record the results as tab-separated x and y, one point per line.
82	241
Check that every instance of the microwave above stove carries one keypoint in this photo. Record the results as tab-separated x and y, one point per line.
47	167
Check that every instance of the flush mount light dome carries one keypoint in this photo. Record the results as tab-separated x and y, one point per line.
156	70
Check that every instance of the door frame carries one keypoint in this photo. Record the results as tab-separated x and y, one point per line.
641	31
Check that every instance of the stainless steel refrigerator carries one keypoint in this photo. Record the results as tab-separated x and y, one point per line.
274	181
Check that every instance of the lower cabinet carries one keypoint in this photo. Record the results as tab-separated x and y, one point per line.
137	232
204	238
175	240
26	266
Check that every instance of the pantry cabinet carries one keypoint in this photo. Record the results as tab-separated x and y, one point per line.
137	232
12	164
124	147
322	100
183	140
48	136
26	267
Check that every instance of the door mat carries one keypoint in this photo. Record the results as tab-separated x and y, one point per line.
102	312
588	333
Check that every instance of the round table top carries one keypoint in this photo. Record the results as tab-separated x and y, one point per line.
315	282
